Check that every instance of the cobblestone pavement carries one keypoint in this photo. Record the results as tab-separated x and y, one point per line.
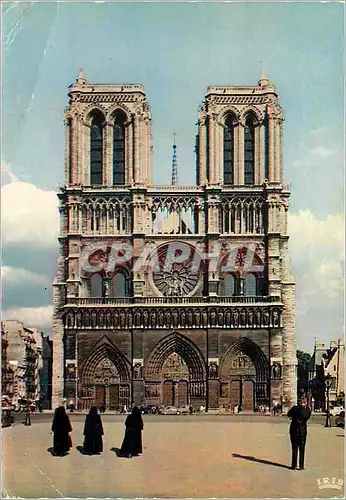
196	459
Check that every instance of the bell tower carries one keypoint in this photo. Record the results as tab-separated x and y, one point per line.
240	136
108	135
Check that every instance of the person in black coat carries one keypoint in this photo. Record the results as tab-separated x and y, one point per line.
298	431
93	432
61	427
132	443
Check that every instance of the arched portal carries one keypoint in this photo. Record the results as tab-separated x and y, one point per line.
176	373
244	376
104	379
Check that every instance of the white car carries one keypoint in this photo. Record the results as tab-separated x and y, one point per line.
170	410
185	409
334	412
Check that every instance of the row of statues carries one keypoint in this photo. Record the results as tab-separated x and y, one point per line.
190	318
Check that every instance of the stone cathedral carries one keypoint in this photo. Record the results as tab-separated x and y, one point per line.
174	294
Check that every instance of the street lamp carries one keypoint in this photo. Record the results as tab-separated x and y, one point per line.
328	382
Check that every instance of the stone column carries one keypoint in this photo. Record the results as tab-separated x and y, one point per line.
215	151
211	156
108	165
79	151
270	147
241	155
261	175
146	144
277	151
135	149
140	150
129	156
68	163
84	171
74	150
219	154
281	173
257	155
236	154
289	329
58	334
202	153
87	179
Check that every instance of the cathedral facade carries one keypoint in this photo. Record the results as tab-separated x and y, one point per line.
174	295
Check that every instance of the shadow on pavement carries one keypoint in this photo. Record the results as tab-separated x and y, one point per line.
261	461
81	450
119	454
52	452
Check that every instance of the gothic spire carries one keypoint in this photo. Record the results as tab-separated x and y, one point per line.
81	78
263	81
174	163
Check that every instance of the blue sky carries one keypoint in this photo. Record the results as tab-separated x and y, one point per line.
176	51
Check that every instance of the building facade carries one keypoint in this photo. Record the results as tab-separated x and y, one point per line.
327	361
7	373
174	294
46	373
23	358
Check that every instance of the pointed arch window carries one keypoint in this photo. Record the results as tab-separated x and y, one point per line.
250	285
120	285
96	285
96	150
249	151
119	148
227	286
228	152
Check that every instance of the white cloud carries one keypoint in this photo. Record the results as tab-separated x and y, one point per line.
29	215
321	152
15	275
317	255
40	317
7	176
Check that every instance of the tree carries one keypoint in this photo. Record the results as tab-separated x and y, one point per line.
304	365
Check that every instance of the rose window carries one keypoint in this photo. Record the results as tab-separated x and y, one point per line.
176	278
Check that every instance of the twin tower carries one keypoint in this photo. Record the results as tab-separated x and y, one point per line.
217	335
108	136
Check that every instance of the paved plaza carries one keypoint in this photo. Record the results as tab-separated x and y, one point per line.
183	457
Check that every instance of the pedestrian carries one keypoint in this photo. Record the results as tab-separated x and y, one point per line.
132	443
299	414
27	416
102	408
61	427
93	432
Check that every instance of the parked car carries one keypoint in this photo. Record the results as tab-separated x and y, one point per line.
340	420
334	412
185	409
148	409
170	410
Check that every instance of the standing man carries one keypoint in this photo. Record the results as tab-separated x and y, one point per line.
27	415
298	431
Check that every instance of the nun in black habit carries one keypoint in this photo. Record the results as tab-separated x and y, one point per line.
93	432
298	431
132	443
61	427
